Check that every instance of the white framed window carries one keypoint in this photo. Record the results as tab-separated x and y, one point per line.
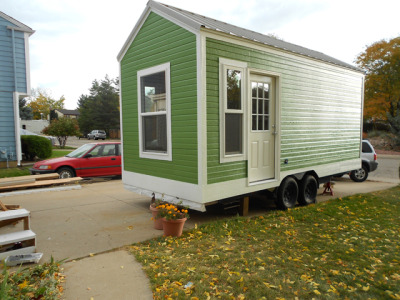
232	85
154	108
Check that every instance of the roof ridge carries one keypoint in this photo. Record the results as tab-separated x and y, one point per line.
254	36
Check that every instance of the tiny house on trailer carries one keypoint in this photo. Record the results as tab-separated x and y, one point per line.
212	111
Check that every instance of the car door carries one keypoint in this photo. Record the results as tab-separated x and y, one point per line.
102	160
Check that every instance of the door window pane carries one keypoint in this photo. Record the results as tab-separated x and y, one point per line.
233	133
233	89
153	92
260	106
155	133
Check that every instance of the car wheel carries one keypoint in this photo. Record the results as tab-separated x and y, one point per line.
308	190
287	193
66	172
88	137
103	139
359	175
96	138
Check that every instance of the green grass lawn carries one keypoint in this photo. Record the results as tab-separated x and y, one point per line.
14	172
59	153
22	171
344	248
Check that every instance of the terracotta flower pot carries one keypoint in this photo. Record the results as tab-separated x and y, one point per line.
173	227
158	223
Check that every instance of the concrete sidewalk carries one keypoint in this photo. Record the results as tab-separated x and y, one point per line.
86	225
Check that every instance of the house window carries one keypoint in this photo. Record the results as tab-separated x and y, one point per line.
154	112
232	93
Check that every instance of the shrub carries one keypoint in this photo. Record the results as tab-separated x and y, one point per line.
33	145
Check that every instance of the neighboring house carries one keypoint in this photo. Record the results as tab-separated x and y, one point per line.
35	126
211	111
67	113
14	85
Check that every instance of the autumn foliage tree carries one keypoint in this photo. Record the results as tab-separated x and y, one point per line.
381	61
42	103
62	129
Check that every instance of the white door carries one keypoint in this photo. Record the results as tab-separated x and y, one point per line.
261	153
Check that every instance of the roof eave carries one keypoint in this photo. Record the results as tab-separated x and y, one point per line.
19	26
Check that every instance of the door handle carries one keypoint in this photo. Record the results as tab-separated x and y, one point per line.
113	158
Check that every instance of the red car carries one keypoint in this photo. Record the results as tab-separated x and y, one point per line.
89	160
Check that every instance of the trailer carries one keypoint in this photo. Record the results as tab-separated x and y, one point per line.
211	111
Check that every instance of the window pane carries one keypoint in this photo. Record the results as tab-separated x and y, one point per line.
366	148
254	106
266	107
266	123
153	92
233	133
260	90
254	123
260	106
260	122
254	89
155	133
233	89
266	90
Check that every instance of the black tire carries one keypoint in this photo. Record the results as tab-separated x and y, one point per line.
308	190
88	137
359	175
95	138
66	172
287	193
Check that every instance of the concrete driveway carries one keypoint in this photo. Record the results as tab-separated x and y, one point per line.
97	217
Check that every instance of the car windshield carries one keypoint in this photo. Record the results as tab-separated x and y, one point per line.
80	151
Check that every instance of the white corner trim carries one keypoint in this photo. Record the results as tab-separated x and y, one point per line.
27	64
120	118
201	111
152	70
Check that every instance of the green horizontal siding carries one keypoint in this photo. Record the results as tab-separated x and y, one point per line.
320	110
160	41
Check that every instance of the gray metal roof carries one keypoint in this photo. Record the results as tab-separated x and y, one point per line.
196	21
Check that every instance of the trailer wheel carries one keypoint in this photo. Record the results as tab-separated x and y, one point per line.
308	190
287	193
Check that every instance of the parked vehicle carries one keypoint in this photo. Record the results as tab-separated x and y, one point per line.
97	134
369	163
89	160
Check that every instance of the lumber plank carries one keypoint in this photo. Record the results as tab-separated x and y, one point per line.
41	183
20	180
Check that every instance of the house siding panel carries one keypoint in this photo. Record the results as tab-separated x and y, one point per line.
160	41
320	110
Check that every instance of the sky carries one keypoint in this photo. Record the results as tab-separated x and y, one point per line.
77	41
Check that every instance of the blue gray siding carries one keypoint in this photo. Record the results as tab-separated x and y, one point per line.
10	82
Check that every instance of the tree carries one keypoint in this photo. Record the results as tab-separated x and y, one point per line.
25	112
381	61
62	128
42	103
100	109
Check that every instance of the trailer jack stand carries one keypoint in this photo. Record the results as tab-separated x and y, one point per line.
328	188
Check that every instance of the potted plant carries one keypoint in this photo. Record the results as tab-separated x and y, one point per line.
158	224
173	218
